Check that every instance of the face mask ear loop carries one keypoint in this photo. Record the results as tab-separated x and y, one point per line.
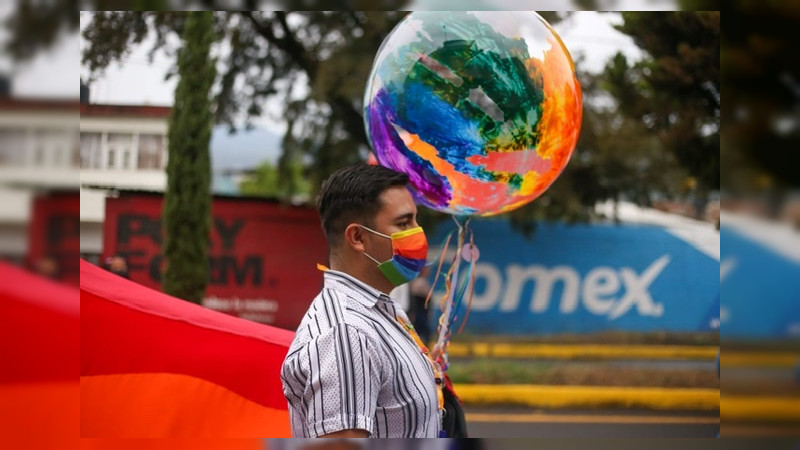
373	259
376	232
379	234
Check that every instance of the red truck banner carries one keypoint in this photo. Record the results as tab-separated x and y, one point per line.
54	235
262	257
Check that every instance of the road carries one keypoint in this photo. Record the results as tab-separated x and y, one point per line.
513	422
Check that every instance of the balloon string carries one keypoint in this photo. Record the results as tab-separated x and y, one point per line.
452	271
471	280
451	285
459	297
454	293
466	285
439	268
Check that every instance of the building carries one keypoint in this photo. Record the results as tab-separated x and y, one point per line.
59	155
122	147
39	173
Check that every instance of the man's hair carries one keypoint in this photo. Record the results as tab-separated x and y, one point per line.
351	194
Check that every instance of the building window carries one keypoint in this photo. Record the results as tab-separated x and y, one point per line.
119	146
39	154
151	152
12	147
90	151
75	150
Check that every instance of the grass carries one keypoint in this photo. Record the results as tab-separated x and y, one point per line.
608	337
501	371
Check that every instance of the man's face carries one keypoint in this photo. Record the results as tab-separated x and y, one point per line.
398	213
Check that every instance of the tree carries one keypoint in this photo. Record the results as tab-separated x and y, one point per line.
187	203
266	181
761	114
674	92
315	63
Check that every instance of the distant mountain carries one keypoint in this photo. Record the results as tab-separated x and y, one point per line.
244	149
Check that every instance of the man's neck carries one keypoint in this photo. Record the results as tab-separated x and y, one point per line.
362	273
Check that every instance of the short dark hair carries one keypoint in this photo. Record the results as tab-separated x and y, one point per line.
351	194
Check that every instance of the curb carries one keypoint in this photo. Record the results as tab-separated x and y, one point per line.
760	409
763	360
585	351
541	396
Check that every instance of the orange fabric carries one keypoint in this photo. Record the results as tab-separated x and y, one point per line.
39	411
173	444
172	405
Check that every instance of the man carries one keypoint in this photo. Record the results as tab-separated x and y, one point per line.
419	309
355	368
116	264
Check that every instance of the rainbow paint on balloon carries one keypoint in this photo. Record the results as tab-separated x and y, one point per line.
481	109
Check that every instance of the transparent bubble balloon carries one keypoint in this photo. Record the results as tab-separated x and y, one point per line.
481	109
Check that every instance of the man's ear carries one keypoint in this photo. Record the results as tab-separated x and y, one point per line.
354	237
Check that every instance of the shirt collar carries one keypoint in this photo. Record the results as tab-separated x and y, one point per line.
353	287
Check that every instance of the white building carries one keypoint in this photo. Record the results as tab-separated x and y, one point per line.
121	147
39	153
96	150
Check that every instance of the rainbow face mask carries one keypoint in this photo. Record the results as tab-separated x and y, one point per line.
410	248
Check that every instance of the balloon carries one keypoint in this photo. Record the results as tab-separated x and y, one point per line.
481	109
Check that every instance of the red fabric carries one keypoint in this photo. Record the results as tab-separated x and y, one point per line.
40	333
39	342
129	328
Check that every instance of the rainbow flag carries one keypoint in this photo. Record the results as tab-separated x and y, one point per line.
39	344
156	366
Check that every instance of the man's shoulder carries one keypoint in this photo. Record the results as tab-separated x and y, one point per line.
332	309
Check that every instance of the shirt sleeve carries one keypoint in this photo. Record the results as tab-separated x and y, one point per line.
342	381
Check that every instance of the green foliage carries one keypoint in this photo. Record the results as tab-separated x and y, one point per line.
187	203
700	5
314	62
761	80
675	90
268	181
35	26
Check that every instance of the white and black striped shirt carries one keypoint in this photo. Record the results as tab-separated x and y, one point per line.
353	366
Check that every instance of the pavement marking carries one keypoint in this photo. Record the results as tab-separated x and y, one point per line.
546	396
764	409
588	418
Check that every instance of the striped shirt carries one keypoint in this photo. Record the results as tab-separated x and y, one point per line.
352	365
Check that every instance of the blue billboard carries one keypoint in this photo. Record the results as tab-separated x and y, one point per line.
589	278
760	282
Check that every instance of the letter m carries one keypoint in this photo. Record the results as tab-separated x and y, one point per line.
544	279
